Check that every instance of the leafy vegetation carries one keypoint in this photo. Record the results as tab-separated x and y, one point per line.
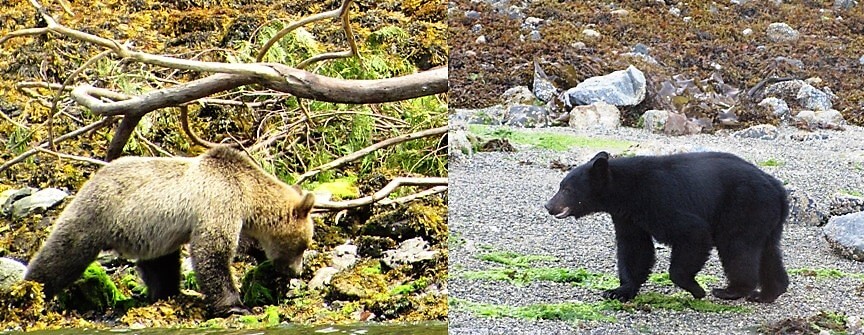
566	311
770	162
824	273
547	139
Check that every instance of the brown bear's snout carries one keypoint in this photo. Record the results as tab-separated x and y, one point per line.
291	268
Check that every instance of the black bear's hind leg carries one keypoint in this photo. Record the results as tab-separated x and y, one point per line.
687	260
161	275
741	264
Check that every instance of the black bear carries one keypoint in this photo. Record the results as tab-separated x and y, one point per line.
691	202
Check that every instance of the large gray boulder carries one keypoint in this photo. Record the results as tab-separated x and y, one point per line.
619	88
845	234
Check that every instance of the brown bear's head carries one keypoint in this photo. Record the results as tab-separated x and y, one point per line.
285	245
579	191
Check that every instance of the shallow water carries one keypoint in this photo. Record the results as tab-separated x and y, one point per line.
424	328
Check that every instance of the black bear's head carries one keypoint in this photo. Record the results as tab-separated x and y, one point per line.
579	191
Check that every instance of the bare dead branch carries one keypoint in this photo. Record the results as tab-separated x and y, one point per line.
298	82
23	32
384	192
93	126
302	22
412	197
365	151
16	123
121	136
152	145
72	157
184	124
63	87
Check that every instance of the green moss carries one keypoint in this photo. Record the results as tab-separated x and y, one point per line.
410	287
340	188
677	302
522	276
566	311
548	140
514	259
663	279
853	193
260	285
824	273
770	162
93	291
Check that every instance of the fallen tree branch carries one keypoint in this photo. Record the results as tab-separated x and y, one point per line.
93	126
365	151
339	12
412	197
184	124
72	157
384	192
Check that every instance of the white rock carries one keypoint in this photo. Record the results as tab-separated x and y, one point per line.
597	115
781	32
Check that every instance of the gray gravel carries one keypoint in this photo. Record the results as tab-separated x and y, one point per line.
496	201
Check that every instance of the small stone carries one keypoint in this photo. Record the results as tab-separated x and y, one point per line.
812	98
747	32
534	35
518	95
476	28
803	210
675	11
527	116
640	48
861	60
596	115
654	120
322	278
845	234
845	4
41	200
781	32
409	251
620	12
480	40
762	132
590	33
778	107
344	256
472	14
11	272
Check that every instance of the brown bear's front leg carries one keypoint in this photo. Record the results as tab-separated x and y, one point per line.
62	259
212	251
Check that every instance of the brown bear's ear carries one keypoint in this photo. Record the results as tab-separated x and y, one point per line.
305	205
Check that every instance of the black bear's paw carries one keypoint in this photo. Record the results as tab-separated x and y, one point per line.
759	297
622	294
726	294
698	292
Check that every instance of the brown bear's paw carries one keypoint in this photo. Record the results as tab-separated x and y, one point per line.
622	294
227	311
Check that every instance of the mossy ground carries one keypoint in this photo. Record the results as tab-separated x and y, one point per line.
829	48
394	38
547	139
518	270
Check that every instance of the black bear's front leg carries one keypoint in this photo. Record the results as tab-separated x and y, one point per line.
635	259
212	251
161	275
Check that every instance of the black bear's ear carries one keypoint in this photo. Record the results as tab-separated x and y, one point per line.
600	166
601	155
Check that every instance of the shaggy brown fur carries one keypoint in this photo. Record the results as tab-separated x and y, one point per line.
147	208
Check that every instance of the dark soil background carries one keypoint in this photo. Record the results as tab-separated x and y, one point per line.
830	44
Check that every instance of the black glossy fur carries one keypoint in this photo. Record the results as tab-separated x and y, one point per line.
691	202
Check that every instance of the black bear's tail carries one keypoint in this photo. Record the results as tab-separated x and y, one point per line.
772	275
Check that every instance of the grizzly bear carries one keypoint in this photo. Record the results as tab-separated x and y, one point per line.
691	202
146	208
